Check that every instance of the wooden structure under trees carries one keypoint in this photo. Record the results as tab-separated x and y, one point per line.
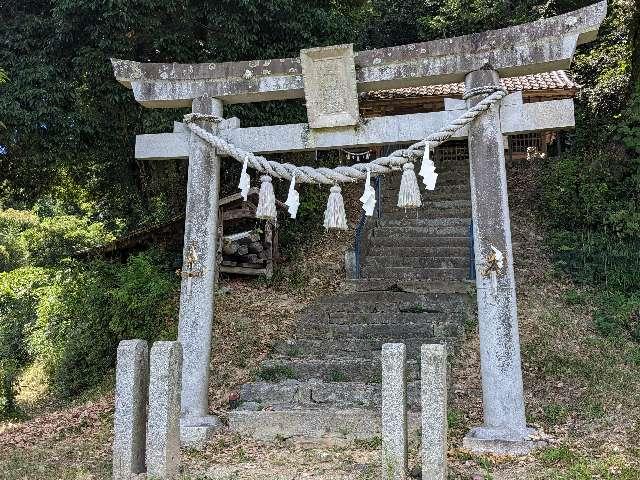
245	247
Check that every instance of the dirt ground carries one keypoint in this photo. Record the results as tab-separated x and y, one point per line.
582	390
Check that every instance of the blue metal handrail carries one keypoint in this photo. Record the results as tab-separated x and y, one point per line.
472	254
360	228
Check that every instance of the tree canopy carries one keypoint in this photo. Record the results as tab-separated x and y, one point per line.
68	142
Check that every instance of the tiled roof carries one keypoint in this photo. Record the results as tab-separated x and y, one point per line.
556	80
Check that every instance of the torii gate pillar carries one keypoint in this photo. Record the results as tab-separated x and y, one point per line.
504	429
198	277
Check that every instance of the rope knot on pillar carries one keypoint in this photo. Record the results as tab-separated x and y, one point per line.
202	117
486	90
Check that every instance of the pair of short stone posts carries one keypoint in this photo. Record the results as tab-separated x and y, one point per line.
394	411
147	434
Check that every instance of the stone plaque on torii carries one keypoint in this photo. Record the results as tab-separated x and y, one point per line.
330	78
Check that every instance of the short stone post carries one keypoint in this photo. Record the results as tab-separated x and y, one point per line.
433	388
394	411
163	426
198	277
130	418
504	429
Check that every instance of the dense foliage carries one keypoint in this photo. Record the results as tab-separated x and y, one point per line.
68	180
590	197
70	320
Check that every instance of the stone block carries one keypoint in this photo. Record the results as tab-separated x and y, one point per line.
330	86
163	426
196	432
394	412
434	411
132	383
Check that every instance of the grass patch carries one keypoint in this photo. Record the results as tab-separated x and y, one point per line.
570	466
337	376
369	444
555	414
554	456
276	373
455	419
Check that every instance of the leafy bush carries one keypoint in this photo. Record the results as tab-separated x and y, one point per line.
143	305
72	319
20	291
26	239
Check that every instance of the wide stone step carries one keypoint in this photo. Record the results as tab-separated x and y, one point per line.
440	204
383	285
398	231
295	394
388	186
394	182
426	240
409	273
397	318
421	222
366	303
330	369
380	251
363	338
407	215
417	262
315	426
365	348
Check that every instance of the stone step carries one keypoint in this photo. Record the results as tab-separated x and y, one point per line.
409	273
295	394
365	348
425	240
348	332
394	181
403	223
396	319
314	426
424	213
417	262
390	199
381	251
330	369
400	232
330	311
384	285
441	204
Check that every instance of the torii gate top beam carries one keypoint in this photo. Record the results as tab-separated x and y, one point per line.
534	47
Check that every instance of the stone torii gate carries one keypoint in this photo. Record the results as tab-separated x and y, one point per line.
329	78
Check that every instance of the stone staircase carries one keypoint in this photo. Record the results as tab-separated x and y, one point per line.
323	385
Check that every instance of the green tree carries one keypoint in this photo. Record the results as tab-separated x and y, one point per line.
70	123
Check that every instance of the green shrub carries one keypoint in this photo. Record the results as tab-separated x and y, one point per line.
598	259
72	338
143	305
20	291
71	319
14	250
26	239
618	313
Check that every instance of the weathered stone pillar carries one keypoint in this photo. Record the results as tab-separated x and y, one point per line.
163	425
198	277
394	411
504	426
130	417
433	388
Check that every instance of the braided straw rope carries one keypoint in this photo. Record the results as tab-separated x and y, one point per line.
344	174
